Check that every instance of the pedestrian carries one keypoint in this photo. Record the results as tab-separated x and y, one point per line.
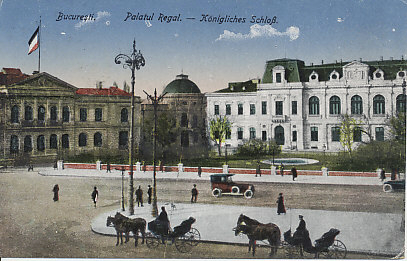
108	168
139	196
199	171
393	174
144	166
56	190
95	195
294	173
55	165
194	193
164	222
382	174
30	167
258	170
149	192
282	169
280	206
161	166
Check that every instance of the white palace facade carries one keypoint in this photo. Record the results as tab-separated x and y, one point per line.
301	106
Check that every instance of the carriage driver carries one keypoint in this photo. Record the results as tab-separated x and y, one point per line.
164	221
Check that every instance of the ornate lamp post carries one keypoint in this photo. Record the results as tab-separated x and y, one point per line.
132	62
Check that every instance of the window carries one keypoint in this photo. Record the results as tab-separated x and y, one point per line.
294	135
97	139
15	114
228	134
356	105
279	135
252	132
263	135
336	133
313	105
184	139
216	109
279	108
263	107
41	143
28	146
83	140
98	114
334	105
194	121
54	113
228	109
124	115
41	113
314	133
294	107
378	104
379	133
28	116
357	134
252	109
14	144
53	141
240	109
240	133
65	114
195	137
65	141
123	139
184	120
401	103
83	114
278	77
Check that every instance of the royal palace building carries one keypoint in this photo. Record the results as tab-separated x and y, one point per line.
302	106
45	118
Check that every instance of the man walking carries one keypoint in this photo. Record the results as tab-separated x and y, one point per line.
294	173
139	196
194	193
95	195
149	192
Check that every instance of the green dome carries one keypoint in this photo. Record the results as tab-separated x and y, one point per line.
181	84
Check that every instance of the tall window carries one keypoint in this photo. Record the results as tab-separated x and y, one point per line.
228	135
216	109
184	138
41	143
240	133
294	107
279	135
15	114
83	140
378	104
336	133
279	108
334	105
41	113
294	135
184	120
83	114
194	121
240	109
14	144
53	141
53	113
98	114
28	113
28	145
228	109
263	135
379	133
357	134
65	114
278	77
313	105
97	139
264	107
356	104
401	103
124	115
65	141
314	133
252	109
123	139
252	132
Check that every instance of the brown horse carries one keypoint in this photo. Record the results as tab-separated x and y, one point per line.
126	225
258	231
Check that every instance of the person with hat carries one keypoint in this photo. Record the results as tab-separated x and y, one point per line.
280	206
301	225
194	193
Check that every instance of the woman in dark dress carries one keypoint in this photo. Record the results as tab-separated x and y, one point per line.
55	190
280	202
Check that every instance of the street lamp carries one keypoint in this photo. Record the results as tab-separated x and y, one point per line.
122	170
132	62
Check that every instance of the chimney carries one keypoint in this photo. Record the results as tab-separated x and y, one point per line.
402	57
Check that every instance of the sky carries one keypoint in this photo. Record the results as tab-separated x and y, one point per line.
205	42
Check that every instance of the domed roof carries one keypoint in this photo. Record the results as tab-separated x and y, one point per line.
181	84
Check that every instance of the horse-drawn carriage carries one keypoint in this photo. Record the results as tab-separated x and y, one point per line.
183	236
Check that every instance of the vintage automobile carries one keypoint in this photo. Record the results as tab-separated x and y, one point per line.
222	184
393	185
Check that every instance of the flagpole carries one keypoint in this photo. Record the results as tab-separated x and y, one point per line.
39	48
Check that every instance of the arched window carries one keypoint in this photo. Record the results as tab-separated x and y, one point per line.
98	114
83	139
15	114
28	113
65	114
65	141
124	115
53	113
14	144
123	139
53	141
184	120
28	145
334	105
41	143
252	133
356	104
401	103
378	104
279	135
313	105
97	139
41	113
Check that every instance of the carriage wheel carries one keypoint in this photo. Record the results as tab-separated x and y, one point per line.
291	251
152	241
183	244
337	250
194	236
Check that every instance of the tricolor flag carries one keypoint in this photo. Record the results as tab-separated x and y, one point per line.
34	41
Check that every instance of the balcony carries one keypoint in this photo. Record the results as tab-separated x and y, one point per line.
280	119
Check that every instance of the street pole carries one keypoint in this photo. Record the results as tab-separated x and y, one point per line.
123	189
132	62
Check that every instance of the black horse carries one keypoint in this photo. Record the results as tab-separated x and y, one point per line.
126	225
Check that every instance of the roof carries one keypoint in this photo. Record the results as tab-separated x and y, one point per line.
11	75
181	84
102	92
247	86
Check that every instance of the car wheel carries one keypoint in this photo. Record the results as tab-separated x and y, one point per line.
235	190
216	192
248	194
387	188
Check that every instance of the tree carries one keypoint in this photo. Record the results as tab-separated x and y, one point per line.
398	127
219	128
348	125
